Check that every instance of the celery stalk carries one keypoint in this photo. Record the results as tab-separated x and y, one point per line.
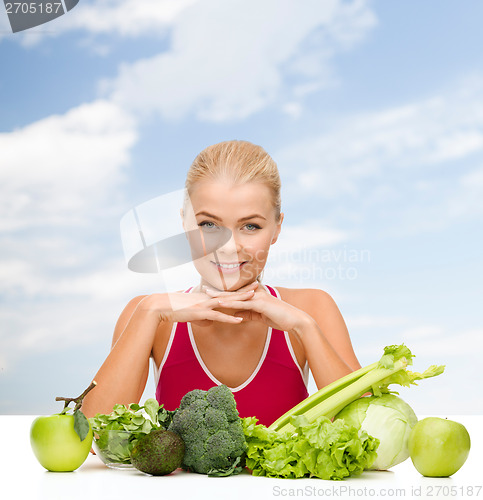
320	396
374	378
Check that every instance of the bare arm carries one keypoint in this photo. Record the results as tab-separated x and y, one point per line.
325	339
122	377
325	312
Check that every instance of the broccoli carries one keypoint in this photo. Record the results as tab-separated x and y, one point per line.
209	424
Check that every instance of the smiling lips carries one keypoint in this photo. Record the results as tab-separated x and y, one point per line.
227	267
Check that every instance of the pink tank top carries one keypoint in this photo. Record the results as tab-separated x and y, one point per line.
275	386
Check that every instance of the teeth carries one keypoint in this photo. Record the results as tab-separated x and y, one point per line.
229	266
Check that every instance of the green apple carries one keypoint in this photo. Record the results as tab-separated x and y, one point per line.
61	442
56	444
438	447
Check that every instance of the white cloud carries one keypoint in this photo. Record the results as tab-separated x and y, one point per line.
131	18
60	181
424	152
466	200
224	60
229	60
46	310
309	234
308	254
370	322
60	169
447	345
426	341
360	147
126	18
432	344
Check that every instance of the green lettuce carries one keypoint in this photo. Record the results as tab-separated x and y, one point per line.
321	449
116	433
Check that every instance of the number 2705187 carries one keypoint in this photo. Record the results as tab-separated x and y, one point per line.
33	7
453	491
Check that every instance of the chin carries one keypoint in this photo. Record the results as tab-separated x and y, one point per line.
229	281
228	284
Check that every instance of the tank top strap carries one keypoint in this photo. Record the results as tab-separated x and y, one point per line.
282	343
272	291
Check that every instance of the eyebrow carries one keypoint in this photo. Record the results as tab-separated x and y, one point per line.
253	216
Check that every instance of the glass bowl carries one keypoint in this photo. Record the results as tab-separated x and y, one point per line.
113	447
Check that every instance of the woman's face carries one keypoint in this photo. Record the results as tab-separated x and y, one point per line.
242	218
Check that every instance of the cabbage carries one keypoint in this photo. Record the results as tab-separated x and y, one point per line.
387	418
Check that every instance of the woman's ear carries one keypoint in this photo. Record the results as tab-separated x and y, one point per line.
181	213
277	230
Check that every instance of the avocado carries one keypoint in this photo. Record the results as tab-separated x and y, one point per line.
158	453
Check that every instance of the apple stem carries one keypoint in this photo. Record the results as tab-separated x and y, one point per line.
77	400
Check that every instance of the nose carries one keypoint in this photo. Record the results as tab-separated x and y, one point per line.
231	247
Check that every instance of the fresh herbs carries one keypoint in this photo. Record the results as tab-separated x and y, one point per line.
119	431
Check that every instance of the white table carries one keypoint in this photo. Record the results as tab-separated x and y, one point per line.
22	477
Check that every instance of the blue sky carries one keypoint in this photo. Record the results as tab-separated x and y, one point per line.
373	111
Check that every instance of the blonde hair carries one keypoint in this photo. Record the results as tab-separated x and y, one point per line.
239	162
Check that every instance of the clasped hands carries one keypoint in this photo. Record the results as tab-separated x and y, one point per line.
249	303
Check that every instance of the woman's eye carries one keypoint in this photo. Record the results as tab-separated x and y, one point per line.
207	225
252	227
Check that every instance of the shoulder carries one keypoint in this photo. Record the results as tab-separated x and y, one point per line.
163	329
322	307
304	298
132	305
125	316
129	309
318	304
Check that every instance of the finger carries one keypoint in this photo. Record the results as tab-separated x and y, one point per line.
249	315
225	318
202	322
240	295
246	288
212	303
238	304
210	315
251	286
216	293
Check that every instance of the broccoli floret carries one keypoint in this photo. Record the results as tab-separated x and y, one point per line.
215	419
209	424
191	396
189	421
221	397
238	435
221	449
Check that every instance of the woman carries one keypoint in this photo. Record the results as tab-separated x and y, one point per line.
230	328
